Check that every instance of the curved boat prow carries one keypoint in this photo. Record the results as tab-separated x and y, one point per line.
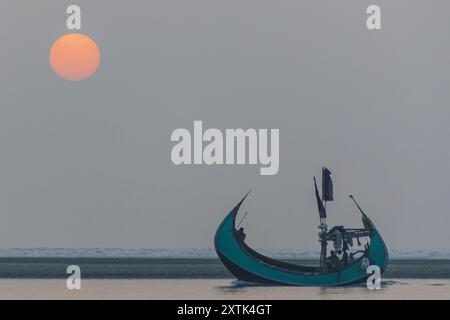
228	224
378	251
235	210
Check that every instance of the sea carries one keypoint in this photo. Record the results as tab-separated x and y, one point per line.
199	274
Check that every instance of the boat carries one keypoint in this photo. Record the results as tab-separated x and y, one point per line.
248	265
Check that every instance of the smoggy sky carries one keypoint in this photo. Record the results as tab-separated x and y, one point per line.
87	164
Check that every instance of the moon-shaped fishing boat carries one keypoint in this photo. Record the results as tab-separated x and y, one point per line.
248	265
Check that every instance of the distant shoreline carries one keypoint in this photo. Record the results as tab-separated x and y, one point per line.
192	253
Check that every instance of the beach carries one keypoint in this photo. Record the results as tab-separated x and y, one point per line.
211	289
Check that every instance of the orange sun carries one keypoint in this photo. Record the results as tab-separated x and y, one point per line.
74	56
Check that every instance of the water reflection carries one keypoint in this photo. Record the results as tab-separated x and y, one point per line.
237	289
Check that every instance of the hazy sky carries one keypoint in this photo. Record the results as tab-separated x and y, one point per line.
87	164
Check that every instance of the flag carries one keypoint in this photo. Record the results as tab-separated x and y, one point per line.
327	185
320	206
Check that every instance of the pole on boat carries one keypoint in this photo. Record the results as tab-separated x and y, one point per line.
239	224
322	227
323	250
327	195
356	203
323	241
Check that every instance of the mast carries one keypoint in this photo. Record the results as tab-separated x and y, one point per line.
327	195
245	214
322	227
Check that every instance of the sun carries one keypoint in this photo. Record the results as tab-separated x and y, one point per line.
74	56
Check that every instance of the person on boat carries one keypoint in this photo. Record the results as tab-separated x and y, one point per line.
333	261
346	242
338	240
240	234
344	258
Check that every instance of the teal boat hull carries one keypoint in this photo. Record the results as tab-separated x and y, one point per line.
248	265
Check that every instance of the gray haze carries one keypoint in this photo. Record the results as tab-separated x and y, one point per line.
87	164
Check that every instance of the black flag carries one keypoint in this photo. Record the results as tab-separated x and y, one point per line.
320	206
327	185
